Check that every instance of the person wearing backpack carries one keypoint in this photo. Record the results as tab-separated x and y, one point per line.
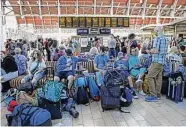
66	66
122	66
36	68
21	61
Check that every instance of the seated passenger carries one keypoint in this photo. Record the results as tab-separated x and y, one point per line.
66	66
36	68
136	69
21	61
100	64
122	66
124	50
93	51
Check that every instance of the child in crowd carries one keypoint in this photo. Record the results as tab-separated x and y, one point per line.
122	66
136	69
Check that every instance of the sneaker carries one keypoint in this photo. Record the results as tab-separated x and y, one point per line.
139	82
123	99
142	93
151	99
134	95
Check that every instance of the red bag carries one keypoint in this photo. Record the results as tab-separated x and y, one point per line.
12	105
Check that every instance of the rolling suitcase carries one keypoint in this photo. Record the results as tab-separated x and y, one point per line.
176	87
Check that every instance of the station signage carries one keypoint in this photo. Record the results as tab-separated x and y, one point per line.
82	31
105	31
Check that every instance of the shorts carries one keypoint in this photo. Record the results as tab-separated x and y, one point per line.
37	76
64	74
136	72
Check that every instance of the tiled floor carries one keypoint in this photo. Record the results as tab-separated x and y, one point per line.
162	113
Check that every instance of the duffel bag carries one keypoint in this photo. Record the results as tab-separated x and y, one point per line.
23	98
28	115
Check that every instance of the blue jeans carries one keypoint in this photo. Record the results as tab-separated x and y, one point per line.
35	77
112	52
100	77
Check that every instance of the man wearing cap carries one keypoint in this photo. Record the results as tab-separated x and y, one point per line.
158	52
66	66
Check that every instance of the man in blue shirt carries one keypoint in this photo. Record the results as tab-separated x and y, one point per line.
100	63
66	66
158	52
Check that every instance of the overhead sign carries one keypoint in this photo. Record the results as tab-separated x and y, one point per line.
105	31
109	22
82	31
94	30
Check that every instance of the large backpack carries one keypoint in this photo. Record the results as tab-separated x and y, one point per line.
27	115
21	64
127	95
51	91
93	88
81	92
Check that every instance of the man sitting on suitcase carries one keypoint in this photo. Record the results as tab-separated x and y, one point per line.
66	66
100	63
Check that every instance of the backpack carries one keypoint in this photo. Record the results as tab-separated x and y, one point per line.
127	95
21	64
93	89
51	91
81	92
27	115
12	105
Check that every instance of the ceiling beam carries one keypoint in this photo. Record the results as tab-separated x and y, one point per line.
49	13
20	2
111	7
33	19
117	8
133	8
94	7
128	5
174	8
77	7
158	14
144	9
40	12
100	8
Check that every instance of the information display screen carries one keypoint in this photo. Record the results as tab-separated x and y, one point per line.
95	22
88	22
62	22
114	22
82	22
68	22
75	22
107	22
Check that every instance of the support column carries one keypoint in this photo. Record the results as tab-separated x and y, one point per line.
2	45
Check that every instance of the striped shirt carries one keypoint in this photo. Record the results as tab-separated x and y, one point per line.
161	44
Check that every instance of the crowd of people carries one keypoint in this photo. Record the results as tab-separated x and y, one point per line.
122	55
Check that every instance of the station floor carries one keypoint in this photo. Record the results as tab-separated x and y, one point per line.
162	113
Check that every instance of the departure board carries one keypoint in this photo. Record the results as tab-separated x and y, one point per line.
114	22
75	22
107	22
126	22
95	22
82	22
88	22
68	22
120	22
101	22
62	22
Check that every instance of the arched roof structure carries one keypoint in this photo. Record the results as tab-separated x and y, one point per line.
46	13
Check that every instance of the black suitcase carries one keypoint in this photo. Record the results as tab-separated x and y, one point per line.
176	87
55	108
164	88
